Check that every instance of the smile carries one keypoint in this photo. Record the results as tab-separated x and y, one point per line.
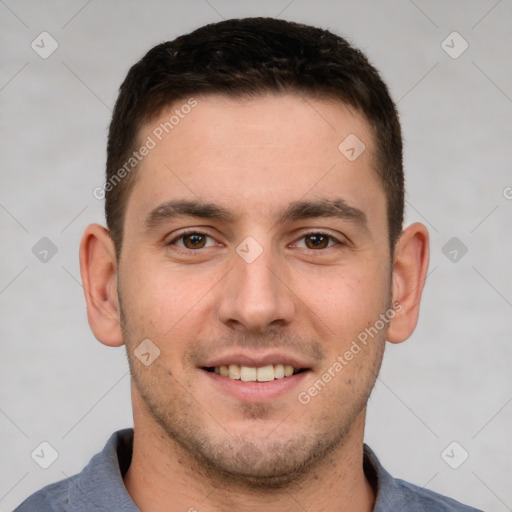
250	374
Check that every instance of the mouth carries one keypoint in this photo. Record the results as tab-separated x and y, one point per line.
265	373
251	377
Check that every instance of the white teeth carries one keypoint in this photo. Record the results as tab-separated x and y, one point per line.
249	374
278	371
265	373
234	371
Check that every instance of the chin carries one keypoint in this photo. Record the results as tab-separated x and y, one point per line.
260	464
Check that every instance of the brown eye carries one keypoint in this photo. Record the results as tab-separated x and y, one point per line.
316	241
194	240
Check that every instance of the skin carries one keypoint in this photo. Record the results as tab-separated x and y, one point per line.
196	445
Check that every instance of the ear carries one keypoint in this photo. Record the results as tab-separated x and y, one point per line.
98	267
410	264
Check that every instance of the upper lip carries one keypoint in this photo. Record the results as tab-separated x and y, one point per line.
256	360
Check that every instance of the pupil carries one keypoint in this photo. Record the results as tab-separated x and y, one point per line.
317	240
194	240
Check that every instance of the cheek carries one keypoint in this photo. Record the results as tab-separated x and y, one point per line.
160	301
349	300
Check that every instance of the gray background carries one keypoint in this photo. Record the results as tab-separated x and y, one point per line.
450	382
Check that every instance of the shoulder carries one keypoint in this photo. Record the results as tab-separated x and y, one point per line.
426	500
395	495
52	498
97	487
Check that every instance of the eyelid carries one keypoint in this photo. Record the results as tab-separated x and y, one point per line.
189	231
338	239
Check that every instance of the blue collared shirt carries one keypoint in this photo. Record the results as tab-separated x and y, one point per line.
100	488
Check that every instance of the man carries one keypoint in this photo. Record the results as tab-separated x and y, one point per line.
254	266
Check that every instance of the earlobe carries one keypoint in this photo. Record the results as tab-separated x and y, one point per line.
98	268
409	273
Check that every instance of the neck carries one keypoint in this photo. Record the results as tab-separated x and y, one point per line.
163	478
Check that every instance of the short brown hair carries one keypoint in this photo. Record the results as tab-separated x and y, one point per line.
250	57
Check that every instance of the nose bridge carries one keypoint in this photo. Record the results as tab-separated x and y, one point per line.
255	297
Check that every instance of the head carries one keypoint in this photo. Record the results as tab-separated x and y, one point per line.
260	225
245	59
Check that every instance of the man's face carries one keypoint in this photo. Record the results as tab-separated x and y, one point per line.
224	264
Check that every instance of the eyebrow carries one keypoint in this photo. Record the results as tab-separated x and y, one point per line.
171	209
297	210
337	208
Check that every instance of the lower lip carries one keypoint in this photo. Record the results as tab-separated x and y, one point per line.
256	391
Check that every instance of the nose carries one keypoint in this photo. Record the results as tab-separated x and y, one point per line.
255	295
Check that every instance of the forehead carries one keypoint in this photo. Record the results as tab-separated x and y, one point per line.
256	154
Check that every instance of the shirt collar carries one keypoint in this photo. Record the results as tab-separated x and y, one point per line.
388	494
100	485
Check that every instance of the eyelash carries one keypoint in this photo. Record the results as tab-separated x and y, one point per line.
305	235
